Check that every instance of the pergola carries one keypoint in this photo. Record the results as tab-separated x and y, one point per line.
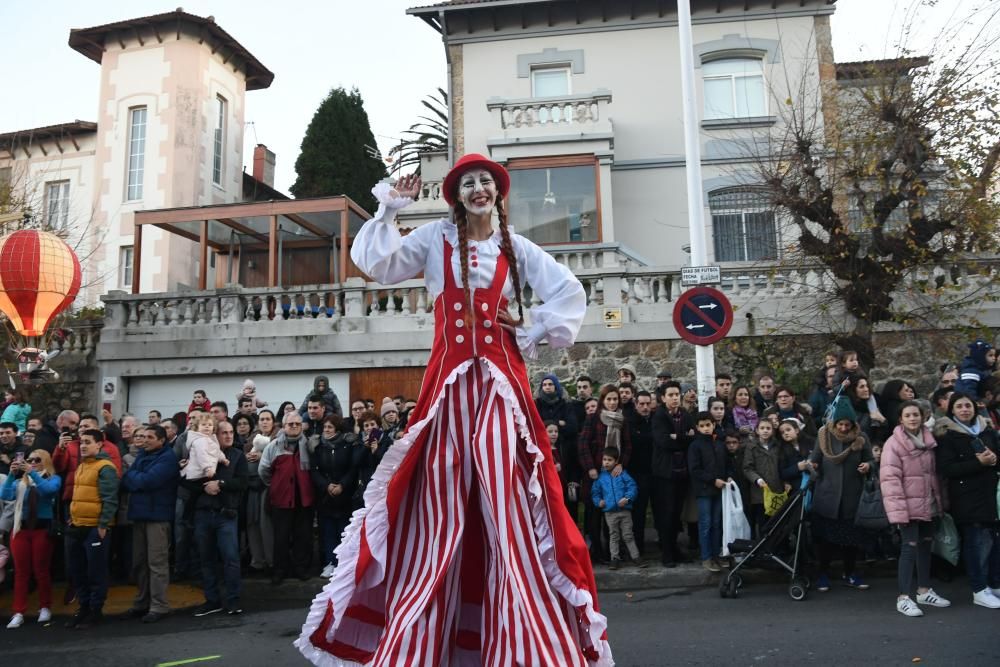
276	225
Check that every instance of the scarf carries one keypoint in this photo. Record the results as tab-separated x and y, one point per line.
26	489
916	438
549	399
973	429
614	421
825	442
303	448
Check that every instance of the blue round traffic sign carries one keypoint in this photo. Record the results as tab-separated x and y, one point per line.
703	315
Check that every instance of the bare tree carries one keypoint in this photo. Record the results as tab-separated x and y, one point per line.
897	175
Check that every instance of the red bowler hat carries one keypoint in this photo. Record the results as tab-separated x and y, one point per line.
474	161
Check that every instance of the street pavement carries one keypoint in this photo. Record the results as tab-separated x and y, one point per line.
647	627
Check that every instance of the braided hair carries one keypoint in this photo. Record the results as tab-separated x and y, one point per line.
507	248
462	223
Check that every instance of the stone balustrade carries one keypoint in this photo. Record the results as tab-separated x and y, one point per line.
563	110
644	294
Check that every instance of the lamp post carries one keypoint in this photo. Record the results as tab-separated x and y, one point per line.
704	354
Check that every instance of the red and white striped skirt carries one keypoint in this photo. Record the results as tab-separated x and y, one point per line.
468	571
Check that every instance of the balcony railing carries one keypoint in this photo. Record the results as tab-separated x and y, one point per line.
564	110
644	293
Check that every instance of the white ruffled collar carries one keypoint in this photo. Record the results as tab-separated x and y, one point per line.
490	246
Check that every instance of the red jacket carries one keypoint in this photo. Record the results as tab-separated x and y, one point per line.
65	461
287	476
204	407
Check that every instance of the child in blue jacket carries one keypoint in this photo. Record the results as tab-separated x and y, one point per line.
614	495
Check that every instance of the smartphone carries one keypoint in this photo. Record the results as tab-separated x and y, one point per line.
19	458
107	406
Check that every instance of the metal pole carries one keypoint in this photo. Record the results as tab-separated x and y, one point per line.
704	354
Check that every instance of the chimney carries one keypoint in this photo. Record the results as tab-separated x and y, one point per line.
263	165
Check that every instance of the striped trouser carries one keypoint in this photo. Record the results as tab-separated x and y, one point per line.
464	582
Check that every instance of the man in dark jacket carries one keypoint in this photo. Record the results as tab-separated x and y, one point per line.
672	431
584	391
216	507
321	386
316	411
152	481
640	464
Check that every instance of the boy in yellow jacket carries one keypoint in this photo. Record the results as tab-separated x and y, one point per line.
88	538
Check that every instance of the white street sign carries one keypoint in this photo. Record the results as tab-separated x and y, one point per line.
701	275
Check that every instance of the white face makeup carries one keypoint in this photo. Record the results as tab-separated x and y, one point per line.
477	191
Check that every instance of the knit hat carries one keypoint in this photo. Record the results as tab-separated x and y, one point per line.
686	387
842	409
665	374
977	350
388	405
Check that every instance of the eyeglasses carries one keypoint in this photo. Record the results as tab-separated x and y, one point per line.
359	408
34	460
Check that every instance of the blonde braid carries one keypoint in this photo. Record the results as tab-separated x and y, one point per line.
507	248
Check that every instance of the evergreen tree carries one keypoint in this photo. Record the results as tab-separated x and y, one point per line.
333	160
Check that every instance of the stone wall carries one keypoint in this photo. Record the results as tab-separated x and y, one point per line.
76	388
913	356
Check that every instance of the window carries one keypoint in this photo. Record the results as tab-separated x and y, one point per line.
555	201
550	81
136	153
220	139
125	267
742	225
57	204
734	88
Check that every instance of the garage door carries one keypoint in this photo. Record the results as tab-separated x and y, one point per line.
173	394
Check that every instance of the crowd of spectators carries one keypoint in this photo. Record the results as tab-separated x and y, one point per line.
213	496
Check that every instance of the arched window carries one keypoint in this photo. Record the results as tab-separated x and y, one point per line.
742	225
734	88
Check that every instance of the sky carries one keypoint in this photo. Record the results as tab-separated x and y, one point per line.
395	60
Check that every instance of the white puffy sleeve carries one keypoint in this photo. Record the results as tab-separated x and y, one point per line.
381	251
558	319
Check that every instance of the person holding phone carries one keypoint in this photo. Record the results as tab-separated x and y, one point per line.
10	446
33	487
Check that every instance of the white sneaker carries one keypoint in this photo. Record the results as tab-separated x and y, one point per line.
44	615
327	571
996	592
16	621
932	599
908	607
983	598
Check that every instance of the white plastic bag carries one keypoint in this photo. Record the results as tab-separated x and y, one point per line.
734	523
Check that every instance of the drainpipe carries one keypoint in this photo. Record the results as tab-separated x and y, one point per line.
451	101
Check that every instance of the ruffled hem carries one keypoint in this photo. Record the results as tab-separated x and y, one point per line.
374	516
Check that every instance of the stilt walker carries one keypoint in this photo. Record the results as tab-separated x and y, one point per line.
464	553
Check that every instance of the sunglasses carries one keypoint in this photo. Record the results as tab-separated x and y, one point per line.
34	460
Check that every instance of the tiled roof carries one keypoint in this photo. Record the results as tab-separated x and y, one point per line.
90	41
49	131
860	69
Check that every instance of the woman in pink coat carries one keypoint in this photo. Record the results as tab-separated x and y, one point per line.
912	497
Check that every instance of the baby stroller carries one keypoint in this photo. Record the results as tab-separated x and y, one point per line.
772	546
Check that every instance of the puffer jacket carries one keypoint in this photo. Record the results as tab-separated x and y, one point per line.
152	482
908	477
972	487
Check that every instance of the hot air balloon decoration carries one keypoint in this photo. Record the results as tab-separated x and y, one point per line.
39	278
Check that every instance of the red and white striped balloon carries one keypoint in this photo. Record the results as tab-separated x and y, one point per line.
39	278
